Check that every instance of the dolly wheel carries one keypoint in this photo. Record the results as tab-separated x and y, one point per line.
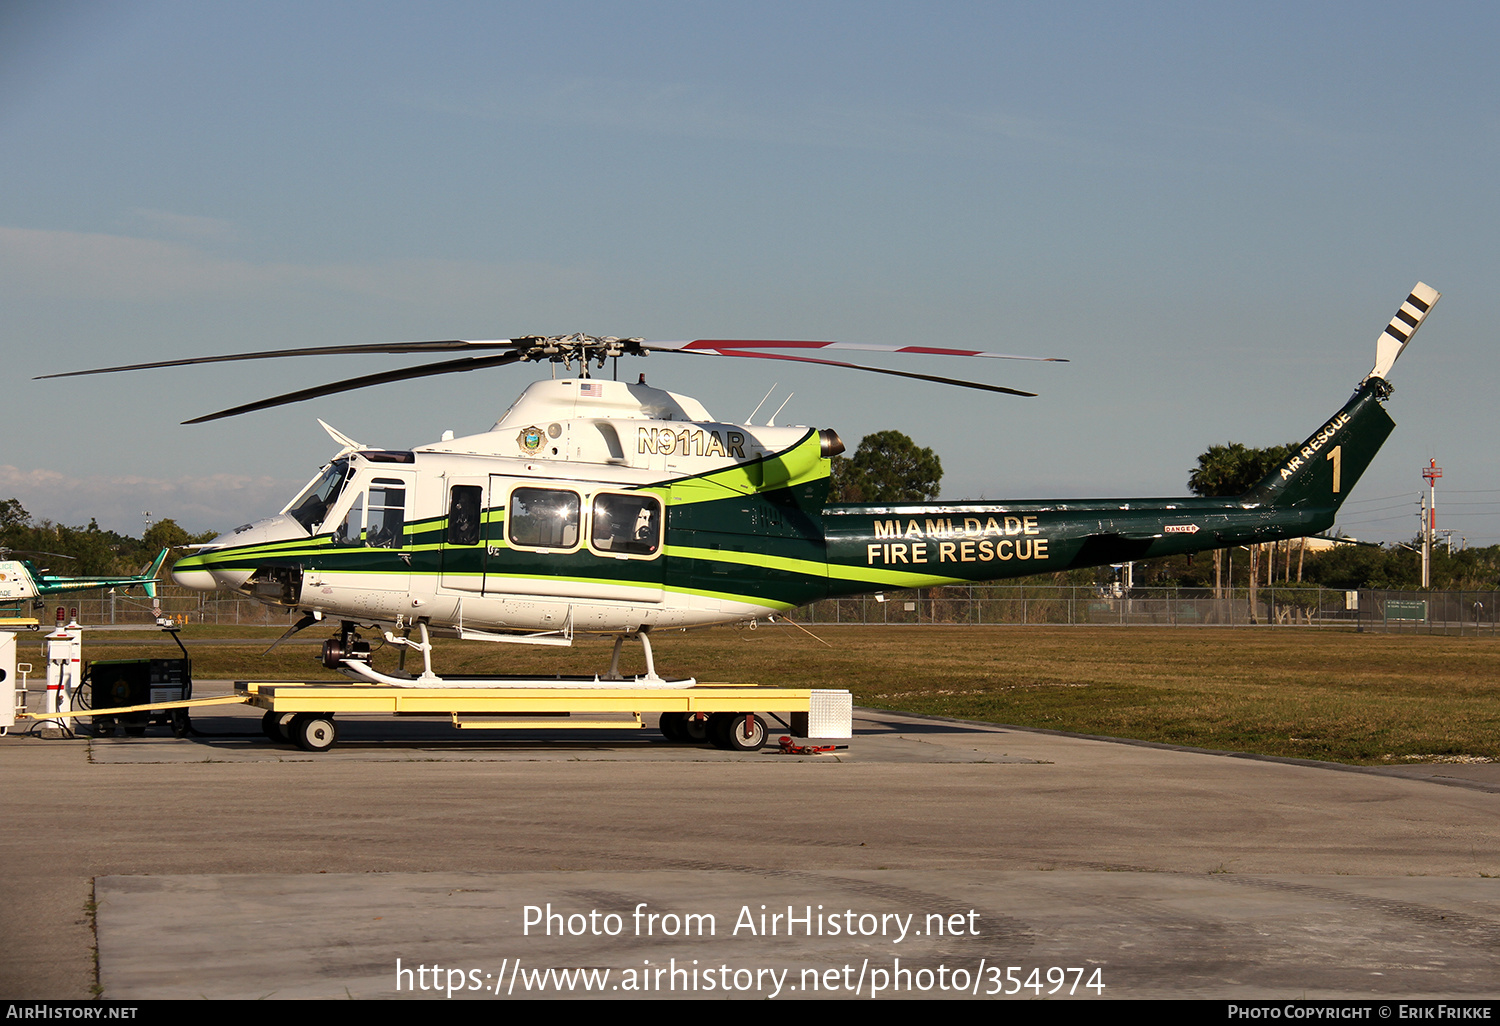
695	728
274	725
744	732
673	727
717	728
314	732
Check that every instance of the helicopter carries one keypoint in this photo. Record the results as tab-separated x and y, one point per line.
21	579
602	507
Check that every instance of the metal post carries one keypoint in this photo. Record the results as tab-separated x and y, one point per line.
1426	548
1429	527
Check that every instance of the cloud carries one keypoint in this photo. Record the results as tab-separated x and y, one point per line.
89	265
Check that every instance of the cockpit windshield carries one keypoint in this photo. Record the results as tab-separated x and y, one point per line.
311	507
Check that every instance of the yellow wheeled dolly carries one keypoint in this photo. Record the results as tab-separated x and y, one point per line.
724	714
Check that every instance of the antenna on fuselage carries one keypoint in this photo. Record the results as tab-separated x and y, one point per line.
751	419
772	421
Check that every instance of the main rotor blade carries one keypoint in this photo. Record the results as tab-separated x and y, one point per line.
271	354
702	345
5	552
467	363
558	349
857	366
718	345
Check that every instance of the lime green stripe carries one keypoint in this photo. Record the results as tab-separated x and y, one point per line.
805	567
890	578
813	568
748	600
800	464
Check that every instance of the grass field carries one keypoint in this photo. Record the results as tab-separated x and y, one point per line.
1317	694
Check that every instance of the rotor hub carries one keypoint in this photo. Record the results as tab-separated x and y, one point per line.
577	348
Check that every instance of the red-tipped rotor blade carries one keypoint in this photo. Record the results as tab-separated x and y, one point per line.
860	367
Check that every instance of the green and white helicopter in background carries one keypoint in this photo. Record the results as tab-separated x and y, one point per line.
21	579
609	508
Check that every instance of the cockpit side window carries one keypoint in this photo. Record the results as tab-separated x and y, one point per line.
351	531
311	507
376	518
387	514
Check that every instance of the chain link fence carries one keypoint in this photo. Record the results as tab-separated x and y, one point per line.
1459	612
1406	612
183	605
1429	612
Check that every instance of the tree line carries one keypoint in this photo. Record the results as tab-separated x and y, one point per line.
86	551
1234	469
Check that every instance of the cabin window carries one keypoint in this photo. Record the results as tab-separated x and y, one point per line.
543	518
463	514
626	524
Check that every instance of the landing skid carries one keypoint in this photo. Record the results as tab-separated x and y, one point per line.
364	671
361	669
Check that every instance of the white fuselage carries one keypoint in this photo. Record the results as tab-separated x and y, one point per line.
553	520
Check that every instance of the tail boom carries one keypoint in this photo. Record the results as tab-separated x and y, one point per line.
870	547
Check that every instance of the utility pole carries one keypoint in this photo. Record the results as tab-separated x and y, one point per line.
1429	522
1422	534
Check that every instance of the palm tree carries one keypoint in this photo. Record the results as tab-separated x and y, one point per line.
1233	469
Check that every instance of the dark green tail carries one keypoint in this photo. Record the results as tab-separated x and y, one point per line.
1323	470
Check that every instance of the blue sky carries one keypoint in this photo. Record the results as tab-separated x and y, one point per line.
1212	210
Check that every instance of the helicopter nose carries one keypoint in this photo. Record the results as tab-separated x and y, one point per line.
211	568
199	573
191	572
196	578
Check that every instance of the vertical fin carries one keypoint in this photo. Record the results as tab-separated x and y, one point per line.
1323	469
149	584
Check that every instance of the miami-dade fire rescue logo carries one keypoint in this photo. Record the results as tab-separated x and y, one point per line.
530	439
